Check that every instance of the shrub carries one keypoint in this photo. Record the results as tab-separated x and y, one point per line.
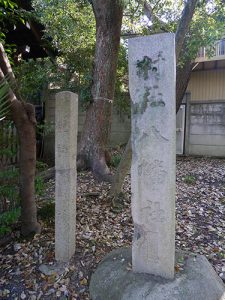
47	212
7	219
115	160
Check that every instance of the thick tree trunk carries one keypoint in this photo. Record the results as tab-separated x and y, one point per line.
23	115
94	139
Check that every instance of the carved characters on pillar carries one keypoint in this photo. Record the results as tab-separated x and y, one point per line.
152	249
152	173
153	135
153	213
147	239
148	242
149	69
62	123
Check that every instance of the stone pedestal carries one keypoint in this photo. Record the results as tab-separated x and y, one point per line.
195	280
66	124
152	80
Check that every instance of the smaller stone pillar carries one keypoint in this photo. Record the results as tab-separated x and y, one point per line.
66	124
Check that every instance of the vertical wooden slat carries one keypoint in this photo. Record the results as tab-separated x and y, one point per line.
9	140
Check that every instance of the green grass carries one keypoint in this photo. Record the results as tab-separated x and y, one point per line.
190	179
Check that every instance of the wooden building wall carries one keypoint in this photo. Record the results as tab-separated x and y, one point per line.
207	85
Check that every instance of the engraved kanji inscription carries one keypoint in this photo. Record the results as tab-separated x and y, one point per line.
153	172
153	213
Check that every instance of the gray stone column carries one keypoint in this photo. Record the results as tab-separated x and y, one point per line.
152	88
66	124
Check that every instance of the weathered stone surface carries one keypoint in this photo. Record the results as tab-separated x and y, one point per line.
66	122
66	174
114	280
49	270
152	89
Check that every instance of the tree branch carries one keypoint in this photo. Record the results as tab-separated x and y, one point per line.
148	11
184	25
6	69
11	96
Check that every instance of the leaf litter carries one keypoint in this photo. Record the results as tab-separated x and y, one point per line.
200	228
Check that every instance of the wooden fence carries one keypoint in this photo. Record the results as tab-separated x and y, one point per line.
8	144
8	169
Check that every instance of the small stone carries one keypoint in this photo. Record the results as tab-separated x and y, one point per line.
83	281
17	272
58	294
63	288
23	296
50	291
81	275
5	292
45	270
40	295
16	247
50	270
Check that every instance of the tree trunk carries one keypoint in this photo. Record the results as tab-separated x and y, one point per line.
183	25
94	139
23	115
183	74
121	173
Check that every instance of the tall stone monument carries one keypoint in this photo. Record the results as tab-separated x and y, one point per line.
66	124
152	89
152	78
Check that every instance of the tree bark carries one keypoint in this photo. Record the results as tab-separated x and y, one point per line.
121	172
94	139
23	115
183	74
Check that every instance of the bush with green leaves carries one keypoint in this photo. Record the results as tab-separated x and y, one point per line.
115	160
39	185
41	166
7	220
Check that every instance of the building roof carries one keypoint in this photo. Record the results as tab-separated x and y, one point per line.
28	37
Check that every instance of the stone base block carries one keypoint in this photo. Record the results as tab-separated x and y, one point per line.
195	279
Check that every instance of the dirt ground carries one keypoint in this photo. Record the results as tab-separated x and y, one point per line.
200	228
